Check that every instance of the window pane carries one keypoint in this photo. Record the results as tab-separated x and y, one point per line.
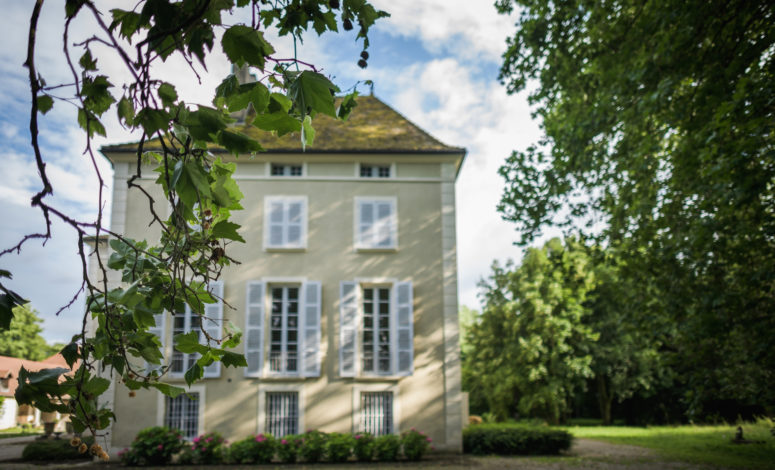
182	413
278	170
377	413
282	413
295	170
384	172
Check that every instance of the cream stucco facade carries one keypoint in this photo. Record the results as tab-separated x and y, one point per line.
426	391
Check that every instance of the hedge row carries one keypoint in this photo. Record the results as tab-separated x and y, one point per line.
54	449
485	439
161	446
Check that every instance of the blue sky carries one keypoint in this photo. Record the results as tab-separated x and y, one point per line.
435	61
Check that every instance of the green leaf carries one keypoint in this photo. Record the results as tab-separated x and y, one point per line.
280	122
346	106
90	123
230	359
45	103
126	112
238	143
252	93
307	132
70	353
228	230
153	120
188	343
96	385
72	7
8	300
244	45
96	97
168	94
198	177
194	373
87	62
313	93
167	389
204	123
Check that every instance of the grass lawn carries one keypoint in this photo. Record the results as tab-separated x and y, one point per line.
696	444
19	432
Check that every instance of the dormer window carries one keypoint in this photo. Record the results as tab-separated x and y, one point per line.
375	171
286	170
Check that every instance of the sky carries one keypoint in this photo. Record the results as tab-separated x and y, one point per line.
434	61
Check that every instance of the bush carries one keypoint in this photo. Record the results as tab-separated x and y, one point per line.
339	446
387	447
254	449
313	446
153	446
364	447
288	448
415	444
514	439
55	449
206	449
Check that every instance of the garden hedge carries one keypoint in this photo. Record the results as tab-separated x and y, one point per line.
54	449
485	439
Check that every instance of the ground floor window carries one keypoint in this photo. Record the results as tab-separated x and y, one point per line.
182	413
282	413
377	413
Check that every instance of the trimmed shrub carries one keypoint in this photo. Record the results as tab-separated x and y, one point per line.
313	446
288	448
254	449
55	449
387	447
339	447
153	446
363	447
514	439
415	444
206	449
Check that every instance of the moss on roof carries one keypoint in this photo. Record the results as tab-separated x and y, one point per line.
372	127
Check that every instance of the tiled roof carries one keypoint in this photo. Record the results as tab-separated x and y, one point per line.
9	367
373	127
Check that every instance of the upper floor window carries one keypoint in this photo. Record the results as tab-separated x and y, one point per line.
285	222
286	170
375	171
376	223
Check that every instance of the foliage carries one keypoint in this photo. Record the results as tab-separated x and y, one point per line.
658	122
363	448
258	449
313	446
699	445
153	446
209	448
387	448
514	439
288	448
54	450
22	339
415	444
339	447
192	251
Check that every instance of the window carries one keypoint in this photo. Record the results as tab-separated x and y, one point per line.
282	413
375	223
376	413
188	321
182	413
286	170
376	328
284	330
375	171
285	222
292	310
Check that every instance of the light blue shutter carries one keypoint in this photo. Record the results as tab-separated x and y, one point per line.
254	328
403	359
311	334
212	324
348	327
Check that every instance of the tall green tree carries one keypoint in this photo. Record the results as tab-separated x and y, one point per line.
23	339
658	139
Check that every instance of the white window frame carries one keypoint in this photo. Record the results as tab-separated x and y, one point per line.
356	404
262	391
284	330
362	287
358	240
391	166
287	166
285	201
161	408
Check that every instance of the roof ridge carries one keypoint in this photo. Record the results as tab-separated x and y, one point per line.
423	131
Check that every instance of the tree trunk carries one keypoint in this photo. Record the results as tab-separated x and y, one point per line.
604	400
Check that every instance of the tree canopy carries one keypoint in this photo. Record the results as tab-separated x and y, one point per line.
658	140
23	339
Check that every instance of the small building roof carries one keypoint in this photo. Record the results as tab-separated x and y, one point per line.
372	127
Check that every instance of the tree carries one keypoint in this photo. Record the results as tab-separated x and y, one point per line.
530	351
198	187
658	122
23	339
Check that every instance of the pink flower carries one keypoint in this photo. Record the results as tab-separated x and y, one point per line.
196	439
209	439
159	447
260	438
433	448
357	436
283	442
429	439
413	429
193	447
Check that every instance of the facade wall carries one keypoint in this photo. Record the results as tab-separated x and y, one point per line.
429	399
